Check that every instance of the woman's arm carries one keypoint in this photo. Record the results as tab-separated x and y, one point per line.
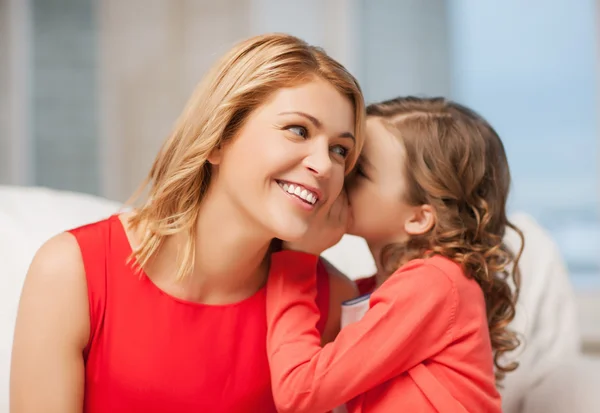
410	319
52	329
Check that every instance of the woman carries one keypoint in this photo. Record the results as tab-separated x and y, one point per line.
163	309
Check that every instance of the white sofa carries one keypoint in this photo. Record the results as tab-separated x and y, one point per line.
554	377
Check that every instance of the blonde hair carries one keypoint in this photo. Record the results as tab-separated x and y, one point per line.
455	161
241	81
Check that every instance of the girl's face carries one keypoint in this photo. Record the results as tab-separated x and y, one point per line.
377	191
288	160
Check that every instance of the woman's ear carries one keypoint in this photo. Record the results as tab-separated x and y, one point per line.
421	221
215	156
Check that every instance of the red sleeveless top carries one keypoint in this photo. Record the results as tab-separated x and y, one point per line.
151	352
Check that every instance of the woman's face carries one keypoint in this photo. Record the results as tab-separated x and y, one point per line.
377	191
288	160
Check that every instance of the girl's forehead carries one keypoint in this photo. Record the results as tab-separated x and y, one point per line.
380	137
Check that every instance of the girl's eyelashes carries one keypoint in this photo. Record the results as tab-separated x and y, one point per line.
359	171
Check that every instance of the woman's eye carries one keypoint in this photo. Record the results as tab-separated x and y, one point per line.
340	150
299	130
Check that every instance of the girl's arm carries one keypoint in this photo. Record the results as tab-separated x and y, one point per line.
410	319
52	329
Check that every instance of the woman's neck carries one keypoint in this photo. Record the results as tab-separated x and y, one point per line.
231	255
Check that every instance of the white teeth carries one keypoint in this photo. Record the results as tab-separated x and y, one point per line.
300	192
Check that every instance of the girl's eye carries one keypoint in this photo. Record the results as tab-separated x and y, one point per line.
299	130
360	171
340	150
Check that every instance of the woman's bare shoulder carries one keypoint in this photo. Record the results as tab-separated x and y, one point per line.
56	282
51	331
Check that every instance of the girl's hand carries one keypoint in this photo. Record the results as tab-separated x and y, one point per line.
326	230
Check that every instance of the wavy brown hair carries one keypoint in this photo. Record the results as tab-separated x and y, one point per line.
456	162
241	81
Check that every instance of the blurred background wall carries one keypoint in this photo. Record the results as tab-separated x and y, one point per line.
90	88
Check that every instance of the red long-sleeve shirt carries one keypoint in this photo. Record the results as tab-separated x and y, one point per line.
423	345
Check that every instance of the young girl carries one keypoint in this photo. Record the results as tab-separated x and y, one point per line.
263	145
429	196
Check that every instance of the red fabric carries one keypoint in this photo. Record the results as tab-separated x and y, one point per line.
366	285
423	345
150	352
322	295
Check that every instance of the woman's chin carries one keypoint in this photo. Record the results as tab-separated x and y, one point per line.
291	233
